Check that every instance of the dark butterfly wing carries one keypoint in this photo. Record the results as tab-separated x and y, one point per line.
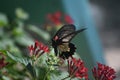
65	35
70	36
64	31
61	33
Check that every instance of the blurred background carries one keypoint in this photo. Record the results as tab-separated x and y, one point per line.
23	21
106	16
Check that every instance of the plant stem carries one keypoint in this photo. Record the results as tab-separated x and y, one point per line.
71	78
46	73
65	78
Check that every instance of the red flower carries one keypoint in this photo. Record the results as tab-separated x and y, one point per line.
38	49
68	19
2	63
55	18
77	69
103	72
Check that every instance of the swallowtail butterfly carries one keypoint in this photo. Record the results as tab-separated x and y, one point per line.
61	41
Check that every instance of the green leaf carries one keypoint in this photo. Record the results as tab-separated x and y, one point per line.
24	61
5	78
61	76
24	40
40	32
31	70
41	73
8	44
21	14
18	30
3	52
3	20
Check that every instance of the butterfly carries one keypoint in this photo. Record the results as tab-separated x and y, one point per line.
61	41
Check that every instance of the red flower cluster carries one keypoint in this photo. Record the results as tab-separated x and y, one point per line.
68	19
77	69
38	49
56	18
2	62
103	72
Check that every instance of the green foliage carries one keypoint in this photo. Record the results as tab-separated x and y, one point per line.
3	20
21	14
15	36
31	70
43	34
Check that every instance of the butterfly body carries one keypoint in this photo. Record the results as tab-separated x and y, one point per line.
61	41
